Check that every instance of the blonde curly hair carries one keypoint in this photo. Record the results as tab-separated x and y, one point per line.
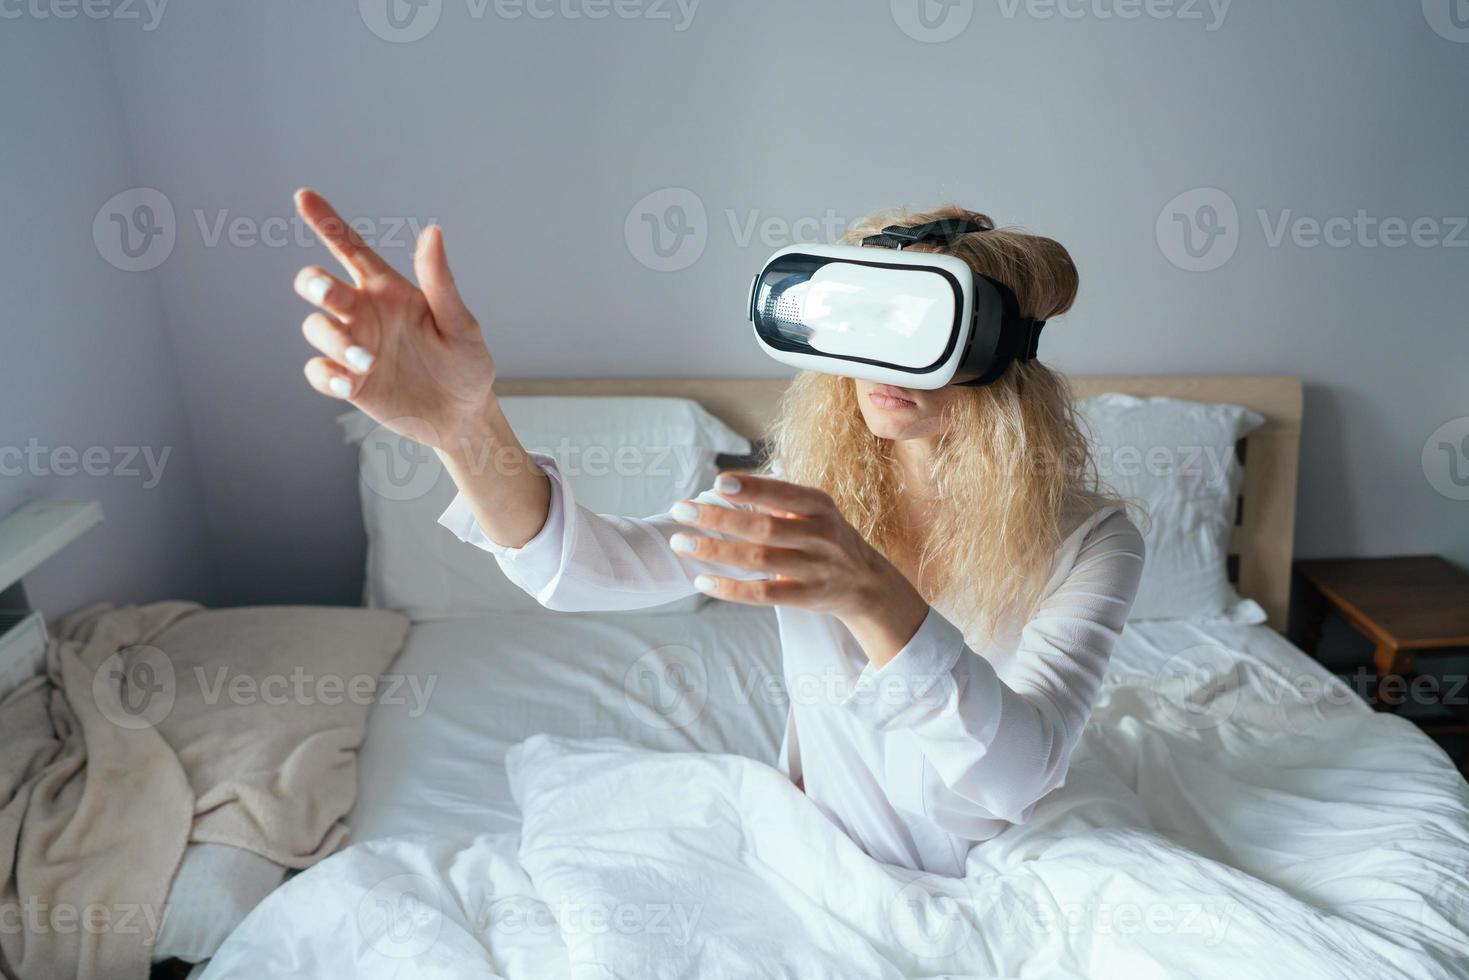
1010	463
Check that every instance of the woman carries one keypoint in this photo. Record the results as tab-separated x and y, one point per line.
977	501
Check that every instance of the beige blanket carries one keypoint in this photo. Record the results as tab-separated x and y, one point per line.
134	743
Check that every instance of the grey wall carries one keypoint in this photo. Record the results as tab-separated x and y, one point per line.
533	138
88	389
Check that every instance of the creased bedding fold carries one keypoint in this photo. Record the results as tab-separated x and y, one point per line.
96	814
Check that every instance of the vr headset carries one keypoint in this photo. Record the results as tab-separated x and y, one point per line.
879	313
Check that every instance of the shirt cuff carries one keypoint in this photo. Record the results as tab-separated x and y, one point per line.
538	558
915	682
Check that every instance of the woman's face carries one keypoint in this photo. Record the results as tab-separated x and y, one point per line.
904	413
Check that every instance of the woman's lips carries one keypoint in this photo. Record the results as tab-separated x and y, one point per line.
886	396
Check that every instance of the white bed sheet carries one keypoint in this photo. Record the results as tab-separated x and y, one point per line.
707	681
1233	812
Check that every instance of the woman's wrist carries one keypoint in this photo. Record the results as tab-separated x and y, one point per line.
480	438
885	618
507	490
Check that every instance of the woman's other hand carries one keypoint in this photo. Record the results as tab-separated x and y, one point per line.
815	559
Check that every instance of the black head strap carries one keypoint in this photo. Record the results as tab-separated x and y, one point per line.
1023	337
1018	341
947	229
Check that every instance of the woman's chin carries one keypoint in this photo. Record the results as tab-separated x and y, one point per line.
896	426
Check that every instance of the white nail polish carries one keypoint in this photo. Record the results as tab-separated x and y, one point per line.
684	511
340	387
358	359
684	543
704	583
727	484
316	288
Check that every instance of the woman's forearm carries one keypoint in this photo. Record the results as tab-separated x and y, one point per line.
509	494
888	623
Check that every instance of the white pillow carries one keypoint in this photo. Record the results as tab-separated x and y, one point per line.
628	456
1176	460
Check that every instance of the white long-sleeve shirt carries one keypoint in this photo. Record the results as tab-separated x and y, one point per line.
942	747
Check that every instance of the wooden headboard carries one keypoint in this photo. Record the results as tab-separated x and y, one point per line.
1266	517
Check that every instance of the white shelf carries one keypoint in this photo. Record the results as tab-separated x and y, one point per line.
39	530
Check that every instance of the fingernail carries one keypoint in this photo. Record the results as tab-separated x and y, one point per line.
704	583
684	543
358	359
316	288
684	511
727	484
340	387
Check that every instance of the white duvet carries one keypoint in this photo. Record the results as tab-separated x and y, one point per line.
1231	822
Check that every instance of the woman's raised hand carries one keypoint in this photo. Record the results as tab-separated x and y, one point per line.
412	357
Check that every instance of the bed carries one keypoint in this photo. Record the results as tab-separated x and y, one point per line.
590	795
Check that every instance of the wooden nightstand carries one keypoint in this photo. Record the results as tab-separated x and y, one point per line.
1406	606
